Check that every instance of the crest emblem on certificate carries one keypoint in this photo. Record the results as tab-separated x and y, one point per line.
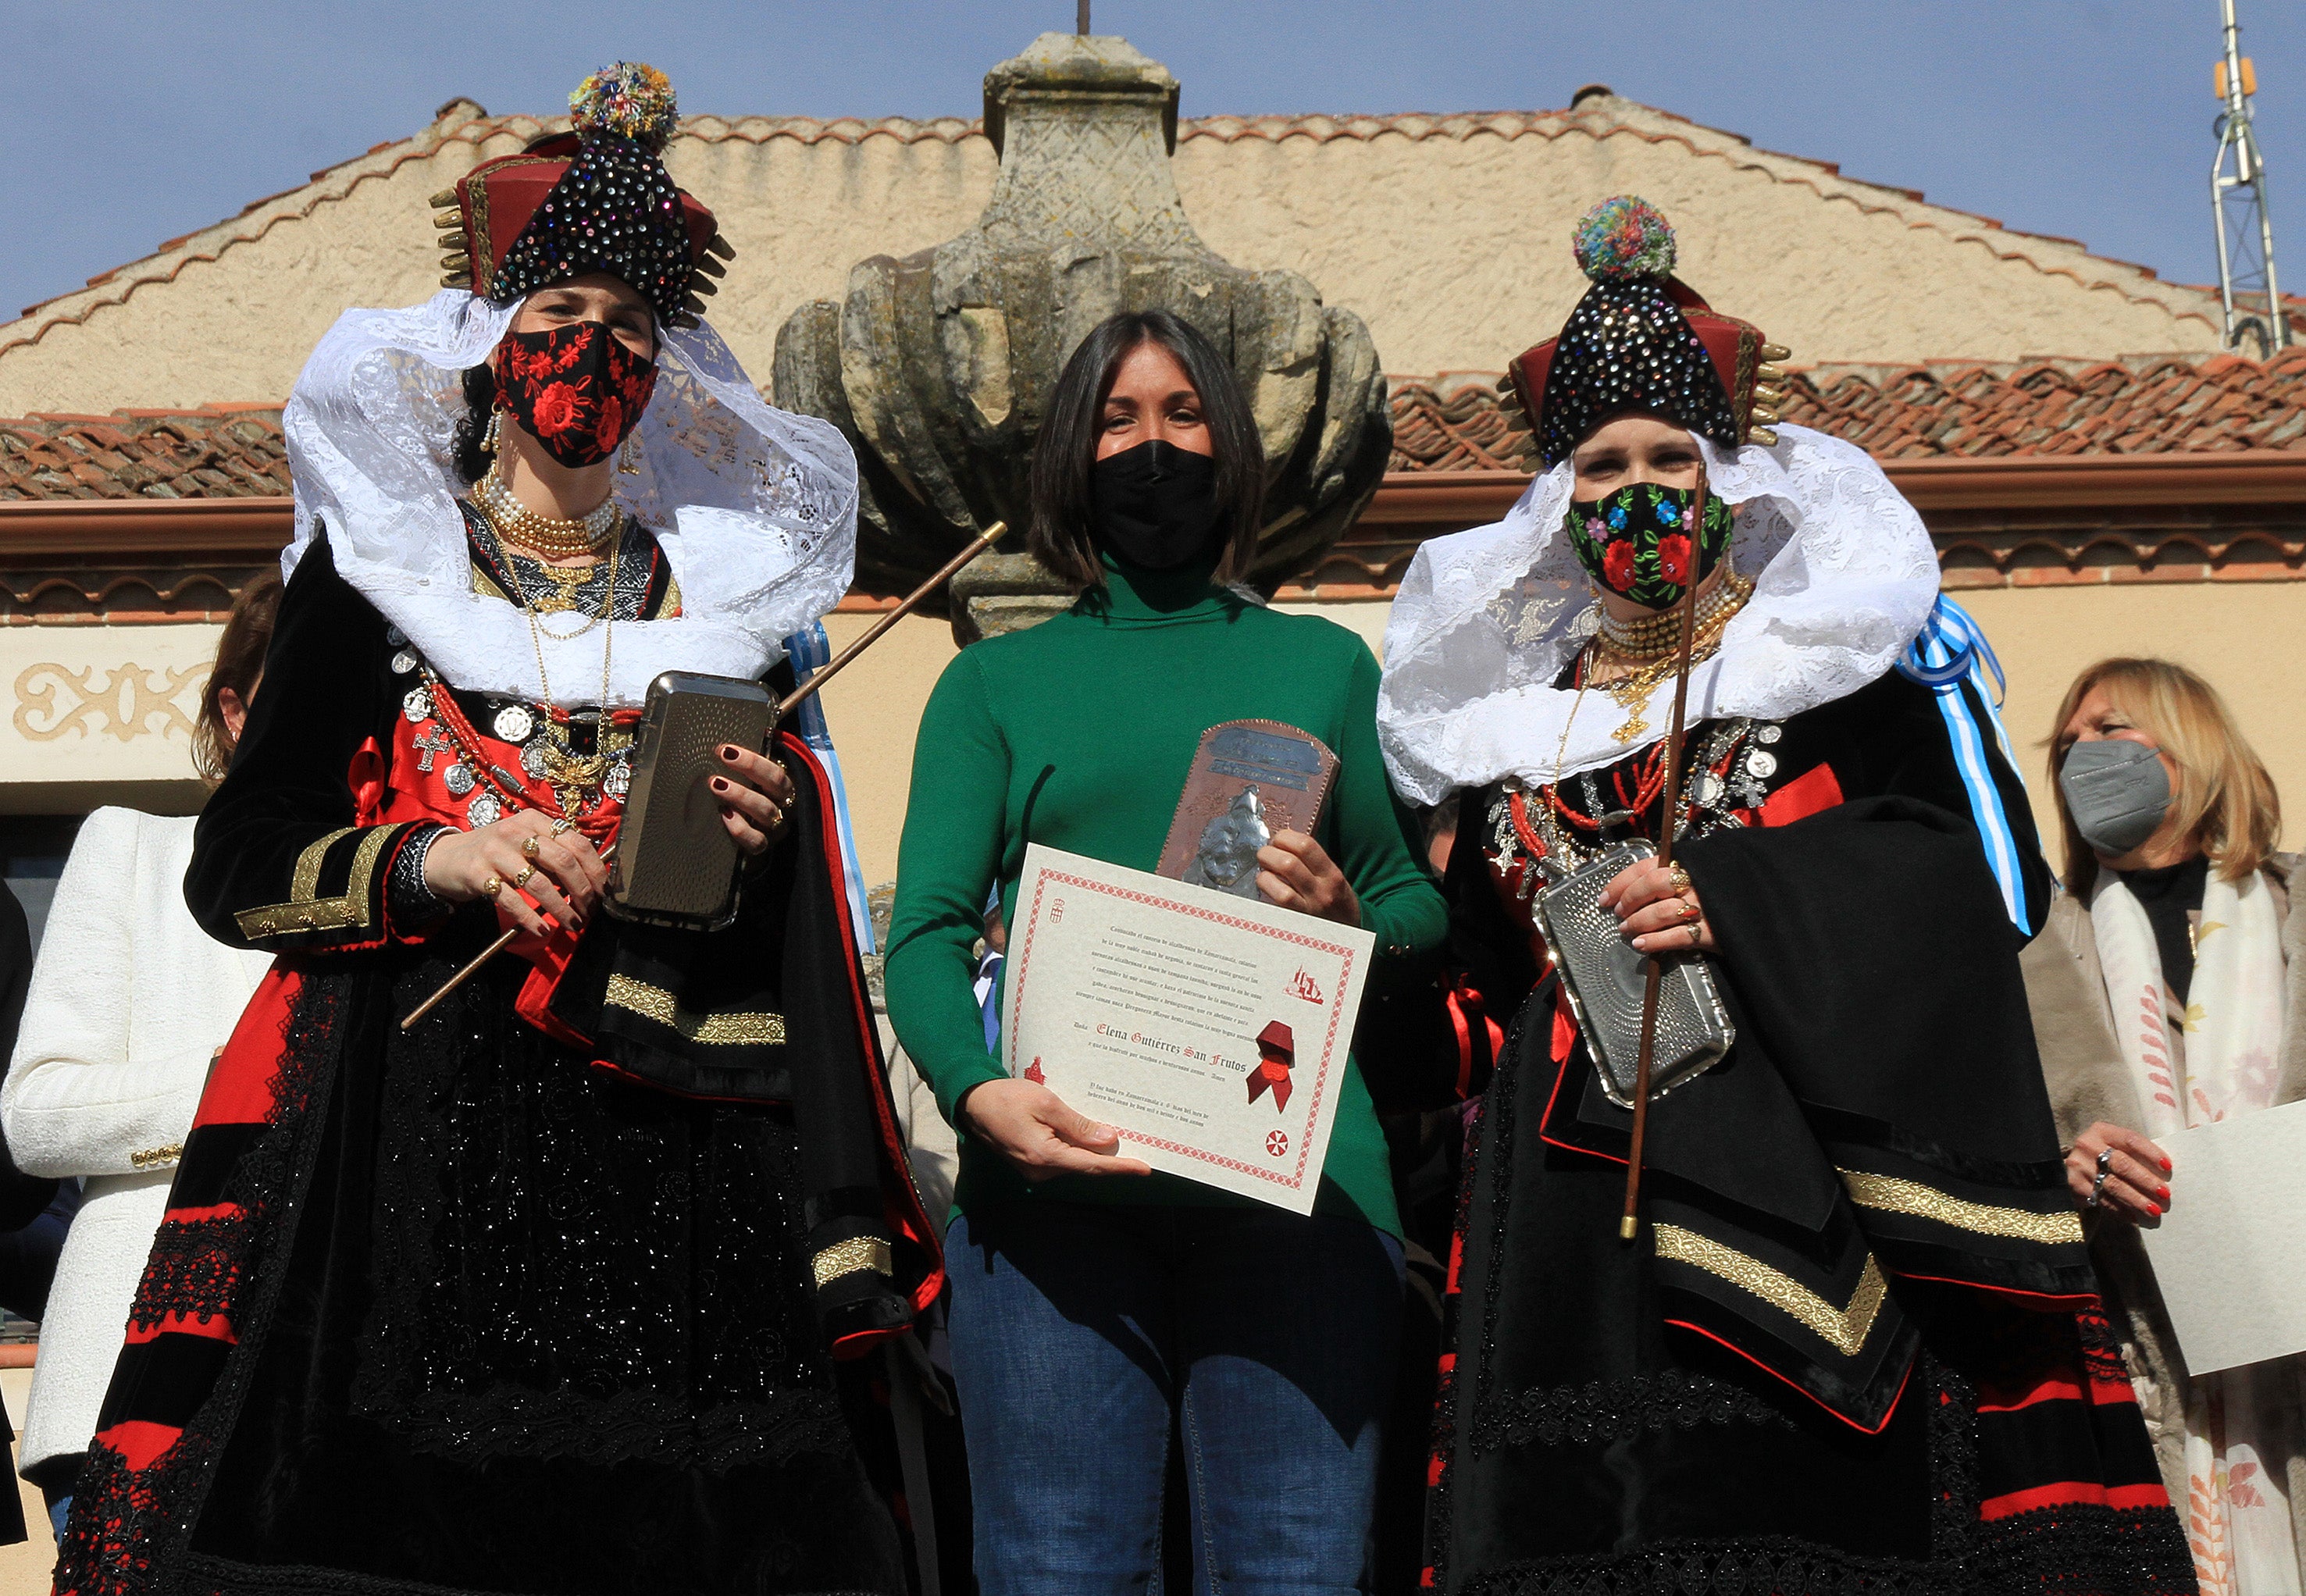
1249	780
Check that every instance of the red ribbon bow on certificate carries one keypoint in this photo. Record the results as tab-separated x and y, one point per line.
1276	1051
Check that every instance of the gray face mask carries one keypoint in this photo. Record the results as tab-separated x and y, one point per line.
2117	792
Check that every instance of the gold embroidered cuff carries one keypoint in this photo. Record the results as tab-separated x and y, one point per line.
1845	1329
725	1030
306	910
1911	1198
851	1256
155	1157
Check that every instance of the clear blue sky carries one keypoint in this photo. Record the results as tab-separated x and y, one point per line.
127	122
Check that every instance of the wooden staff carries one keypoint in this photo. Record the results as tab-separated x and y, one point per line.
791	701
1629	1226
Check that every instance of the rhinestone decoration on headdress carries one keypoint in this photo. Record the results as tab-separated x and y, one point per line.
1628	345
616	209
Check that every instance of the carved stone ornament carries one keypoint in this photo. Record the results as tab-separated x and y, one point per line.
939	366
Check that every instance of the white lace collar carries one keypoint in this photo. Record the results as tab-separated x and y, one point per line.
1844	576
755	509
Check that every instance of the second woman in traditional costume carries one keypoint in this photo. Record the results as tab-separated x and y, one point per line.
1852	1343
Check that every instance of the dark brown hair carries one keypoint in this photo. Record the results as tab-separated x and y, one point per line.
239	661
1064	457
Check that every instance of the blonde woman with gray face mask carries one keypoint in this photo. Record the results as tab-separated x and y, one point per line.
2167	995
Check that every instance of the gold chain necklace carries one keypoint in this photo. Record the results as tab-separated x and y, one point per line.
547	534
572	774
1632	692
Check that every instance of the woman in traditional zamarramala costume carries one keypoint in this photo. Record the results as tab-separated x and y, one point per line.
1853	1345
547	1293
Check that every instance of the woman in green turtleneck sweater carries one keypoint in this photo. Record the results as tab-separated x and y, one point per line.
1095	1303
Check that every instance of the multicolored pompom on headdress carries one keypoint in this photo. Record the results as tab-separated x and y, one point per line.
1642	340
596	198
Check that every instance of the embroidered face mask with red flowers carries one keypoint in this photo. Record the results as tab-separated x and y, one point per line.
1642	540
575	389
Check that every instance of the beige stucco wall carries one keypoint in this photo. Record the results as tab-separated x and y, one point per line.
1449	237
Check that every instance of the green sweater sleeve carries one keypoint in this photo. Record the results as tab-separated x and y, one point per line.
1377	842
949	858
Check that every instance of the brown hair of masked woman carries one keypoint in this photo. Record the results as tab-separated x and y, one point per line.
2223	794
1065	457
239	661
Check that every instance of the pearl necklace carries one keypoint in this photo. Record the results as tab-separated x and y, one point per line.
547	534
1645	639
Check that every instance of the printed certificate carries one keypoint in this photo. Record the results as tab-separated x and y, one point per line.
1209	1031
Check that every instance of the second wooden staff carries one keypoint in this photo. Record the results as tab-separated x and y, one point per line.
789	703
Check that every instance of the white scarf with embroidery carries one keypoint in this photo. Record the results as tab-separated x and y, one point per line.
2211	1059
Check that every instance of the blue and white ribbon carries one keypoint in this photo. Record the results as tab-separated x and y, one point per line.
810	651
1951	649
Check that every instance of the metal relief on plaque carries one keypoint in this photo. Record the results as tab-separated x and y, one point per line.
1226	858
459	780
417	705
514	723
531	760
618	780
1762	763
486	809
403	662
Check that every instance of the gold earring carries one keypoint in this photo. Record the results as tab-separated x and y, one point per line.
489	438
628	458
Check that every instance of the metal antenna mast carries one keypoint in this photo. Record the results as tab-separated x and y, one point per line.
2247	292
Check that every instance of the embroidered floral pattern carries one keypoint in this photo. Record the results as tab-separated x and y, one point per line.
1638	541
577	390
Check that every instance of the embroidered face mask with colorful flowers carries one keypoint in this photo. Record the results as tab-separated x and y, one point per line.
575	389
1642	542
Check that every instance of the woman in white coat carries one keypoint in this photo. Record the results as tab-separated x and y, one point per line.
129	1000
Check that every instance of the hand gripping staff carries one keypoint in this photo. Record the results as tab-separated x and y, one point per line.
791	702
1629	1226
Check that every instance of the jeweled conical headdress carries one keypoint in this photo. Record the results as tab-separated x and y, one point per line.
1642	340
595	199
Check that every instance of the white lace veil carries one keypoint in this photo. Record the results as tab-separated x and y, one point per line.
755	509
1844	576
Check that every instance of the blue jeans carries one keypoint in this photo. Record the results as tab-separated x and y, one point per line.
1079	1331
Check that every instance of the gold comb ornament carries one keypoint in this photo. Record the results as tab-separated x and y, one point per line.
1770	387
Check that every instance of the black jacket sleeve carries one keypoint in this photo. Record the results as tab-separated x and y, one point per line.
279	859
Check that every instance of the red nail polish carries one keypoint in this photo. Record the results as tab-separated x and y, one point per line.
718	785
729	752
2164	1194
727	812
2154	1209
2165	1166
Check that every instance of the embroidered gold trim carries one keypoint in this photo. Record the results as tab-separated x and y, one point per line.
851	1256
1845	1329
154	1157
1894	1196
724	1030
307	912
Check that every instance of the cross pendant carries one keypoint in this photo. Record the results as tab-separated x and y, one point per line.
427	743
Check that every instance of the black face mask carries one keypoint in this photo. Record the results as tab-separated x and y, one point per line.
1157	504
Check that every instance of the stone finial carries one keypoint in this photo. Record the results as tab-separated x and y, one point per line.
938	366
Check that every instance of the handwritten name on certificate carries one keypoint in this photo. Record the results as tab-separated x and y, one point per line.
1209	1031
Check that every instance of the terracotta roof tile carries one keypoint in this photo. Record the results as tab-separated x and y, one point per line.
2142	405
215	452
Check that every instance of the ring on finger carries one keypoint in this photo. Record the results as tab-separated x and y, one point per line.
1690	913
2098	1190
1694	935
522	880
492	886
530	847
2105	1161
1679	878
563	826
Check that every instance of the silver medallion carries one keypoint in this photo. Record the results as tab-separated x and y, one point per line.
395	636
1707	788
403	662
417	705
459	780
1769	734
617	781
486	809
531	760
1762	764
514	723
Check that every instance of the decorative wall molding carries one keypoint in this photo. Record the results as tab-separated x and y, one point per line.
125	701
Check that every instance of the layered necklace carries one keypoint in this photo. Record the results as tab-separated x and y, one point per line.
548	536
575	778
1649	647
